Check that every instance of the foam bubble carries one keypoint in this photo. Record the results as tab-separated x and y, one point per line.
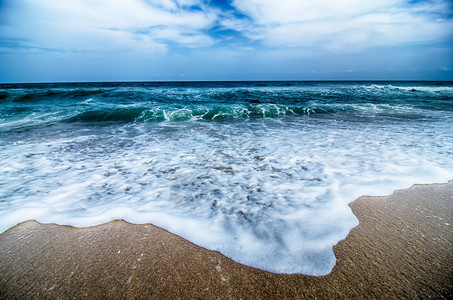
269	191
270	196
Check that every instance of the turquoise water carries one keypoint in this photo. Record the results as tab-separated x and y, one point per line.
261	171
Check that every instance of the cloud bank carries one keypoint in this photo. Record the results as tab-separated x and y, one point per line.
83	25
155	25
347	25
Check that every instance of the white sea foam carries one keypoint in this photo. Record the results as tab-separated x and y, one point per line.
266	193
410	88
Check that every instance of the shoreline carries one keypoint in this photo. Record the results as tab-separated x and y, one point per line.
402	248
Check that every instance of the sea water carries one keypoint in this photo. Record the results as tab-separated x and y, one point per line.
262	172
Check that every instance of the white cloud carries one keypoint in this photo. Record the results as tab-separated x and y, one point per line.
156	25
347	25
106	25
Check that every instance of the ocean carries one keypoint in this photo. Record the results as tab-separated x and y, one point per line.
262	172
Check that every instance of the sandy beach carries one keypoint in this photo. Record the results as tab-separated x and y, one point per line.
402	249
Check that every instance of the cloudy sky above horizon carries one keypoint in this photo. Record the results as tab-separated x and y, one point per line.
114	40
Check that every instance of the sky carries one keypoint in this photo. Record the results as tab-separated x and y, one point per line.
174	40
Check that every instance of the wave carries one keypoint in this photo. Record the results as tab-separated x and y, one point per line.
280	93
225	113
242	112
411	88
33	95
138	103
216	113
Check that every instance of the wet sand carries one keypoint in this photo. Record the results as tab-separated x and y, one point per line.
403	248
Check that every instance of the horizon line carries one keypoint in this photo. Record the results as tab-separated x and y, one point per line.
226	81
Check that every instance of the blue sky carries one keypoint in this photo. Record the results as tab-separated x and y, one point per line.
117	40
